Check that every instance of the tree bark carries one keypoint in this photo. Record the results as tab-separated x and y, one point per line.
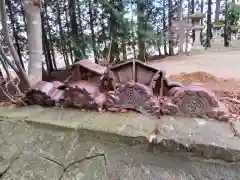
48	32
209	24
10	44
74	29
62	39
5	67
8	61
68	32
180	10
132	32
46	48
202	6
170	40
34	31
226	26
16	37
217	10
91	21
192	12
164	29
141	28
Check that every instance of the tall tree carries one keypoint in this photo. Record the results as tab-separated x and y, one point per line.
62	38
74	30
217	10
170	18
141	21
92	19
34	32
209	24
15	29
8	39
164	26
192	12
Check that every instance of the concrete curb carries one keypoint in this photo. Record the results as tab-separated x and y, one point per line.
190	136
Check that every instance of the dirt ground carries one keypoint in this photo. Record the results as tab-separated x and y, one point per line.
221	64
217	71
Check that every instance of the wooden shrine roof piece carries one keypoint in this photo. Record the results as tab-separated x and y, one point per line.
138	72
90	66
134	70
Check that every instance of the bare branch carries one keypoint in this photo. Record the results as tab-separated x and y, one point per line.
6	59
5	67
14	98
9	96
8	39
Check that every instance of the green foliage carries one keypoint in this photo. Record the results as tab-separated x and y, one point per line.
233	13
110	18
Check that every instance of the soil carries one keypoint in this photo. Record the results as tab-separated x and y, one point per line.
217	71
221	64
228	90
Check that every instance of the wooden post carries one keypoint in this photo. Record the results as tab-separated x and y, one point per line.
161	88
134	70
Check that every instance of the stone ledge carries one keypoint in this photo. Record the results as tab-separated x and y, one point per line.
192	136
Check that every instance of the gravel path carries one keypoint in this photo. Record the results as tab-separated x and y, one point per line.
221	64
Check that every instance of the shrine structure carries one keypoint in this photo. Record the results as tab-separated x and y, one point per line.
196	25
128	85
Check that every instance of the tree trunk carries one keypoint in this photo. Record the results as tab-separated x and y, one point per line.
226	26
47	52
68	32
202	7
23	14
164	29
192	12
159	45
74	30
34	31
124	49
16	37
8	39
8	61
209	24
91	21
141	28
180	10
114	25
188	29
49	35
132	33
5	67
170	40
182	34
81	38
62	39
217	10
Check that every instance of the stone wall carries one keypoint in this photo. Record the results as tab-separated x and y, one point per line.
39	143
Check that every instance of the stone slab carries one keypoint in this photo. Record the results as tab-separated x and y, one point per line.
24	112
70	118
208	138
29	167
58	144
12	137
93	168
136	162
47	152
200	137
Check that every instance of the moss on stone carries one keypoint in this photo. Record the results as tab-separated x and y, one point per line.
218	24
197	15
235	27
